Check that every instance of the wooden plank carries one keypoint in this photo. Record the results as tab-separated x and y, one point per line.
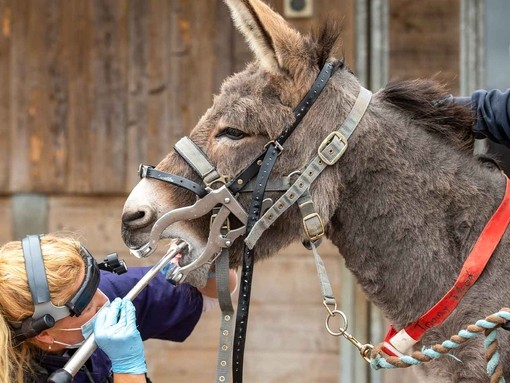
179	119
147	108
224	30
203	58
191	63
19	135
78	40
179	55
107	131
29	214
41	95
5	93
6	234
425	40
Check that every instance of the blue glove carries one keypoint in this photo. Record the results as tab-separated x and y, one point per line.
116	334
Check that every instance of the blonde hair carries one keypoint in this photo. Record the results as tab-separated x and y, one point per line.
63	265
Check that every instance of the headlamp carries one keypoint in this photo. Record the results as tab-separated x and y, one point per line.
45	312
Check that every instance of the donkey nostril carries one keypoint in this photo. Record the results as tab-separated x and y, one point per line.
138	218
133	216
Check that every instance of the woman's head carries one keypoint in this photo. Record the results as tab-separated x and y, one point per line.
63	266
65	271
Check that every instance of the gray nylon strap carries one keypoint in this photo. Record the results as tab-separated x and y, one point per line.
36	272
326	289
356	113
197	159
37	282
329	153
224	366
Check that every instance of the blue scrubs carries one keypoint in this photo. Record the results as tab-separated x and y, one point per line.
493	115
163	311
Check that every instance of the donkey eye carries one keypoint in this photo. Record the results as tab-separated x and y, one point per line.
232	133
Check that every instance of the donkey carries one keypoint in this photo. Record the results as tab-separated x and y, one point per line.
404	205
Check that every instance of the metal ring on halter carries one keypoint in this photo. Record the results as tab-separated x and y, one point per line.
332	314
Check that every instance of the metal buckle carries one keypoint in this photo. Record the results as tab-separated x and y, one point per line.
316	236
143	170
326	142
221	179
276	144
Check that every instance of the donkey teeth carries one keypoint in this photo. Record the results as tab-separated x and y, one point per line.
175	260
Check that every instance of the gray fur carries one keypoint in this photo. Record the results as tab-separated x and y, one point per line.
404	205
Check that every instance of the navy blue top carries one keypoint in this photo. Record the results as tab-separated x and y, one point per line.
163	311
493	115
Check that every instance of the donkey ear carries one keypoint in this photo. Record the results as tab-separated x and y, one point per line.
273	41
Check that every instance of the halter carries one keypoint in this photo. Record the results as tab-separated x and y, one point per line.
225	194
254	178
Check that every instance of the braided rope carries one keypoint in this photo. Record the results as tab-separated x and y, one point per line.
488	326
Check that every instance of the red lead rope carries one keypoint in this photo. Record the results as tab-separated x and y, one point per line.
473	267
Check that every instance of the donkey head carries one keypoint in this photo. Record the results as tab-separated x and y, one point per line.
253	108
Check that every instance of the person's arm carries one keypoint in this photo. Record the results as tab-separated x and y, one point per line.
210	294
116	334
127	378
492	110
209	289
163	311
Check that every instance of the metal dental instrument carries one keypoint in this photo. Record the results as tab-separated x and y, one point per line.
203	206
66	374
215	243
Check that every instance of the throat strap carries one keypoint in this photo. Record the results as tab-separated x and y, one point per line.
396	343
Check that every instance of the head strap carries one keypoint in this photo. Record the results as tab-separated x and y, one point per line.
45	312
37	282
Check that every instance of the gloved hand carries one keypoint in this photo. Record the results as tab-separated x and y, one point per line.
116	334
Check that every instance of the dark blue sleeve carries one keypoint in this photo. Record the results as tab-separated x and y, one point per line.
493	115
163	311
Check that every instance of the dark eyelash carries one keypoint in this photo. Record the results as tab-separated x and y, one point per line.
232	133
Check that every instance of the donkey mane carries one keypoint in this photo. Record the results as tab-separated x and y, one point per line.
425	101
324	38
429	105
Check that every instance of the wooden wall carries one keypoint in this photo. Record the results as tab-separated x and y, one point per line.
425	41
92	88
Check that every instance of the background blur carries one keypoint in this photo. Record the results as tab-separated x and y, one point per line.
91	88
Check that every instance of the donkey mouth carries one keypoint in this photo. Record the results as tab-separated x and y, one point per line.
134	240
186	256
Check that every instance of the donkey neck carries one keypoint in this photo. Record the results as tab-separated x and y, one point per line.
411	208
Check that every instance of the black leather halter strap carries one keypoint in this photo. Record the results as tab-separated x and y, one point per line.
240	181
146	171
262	170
